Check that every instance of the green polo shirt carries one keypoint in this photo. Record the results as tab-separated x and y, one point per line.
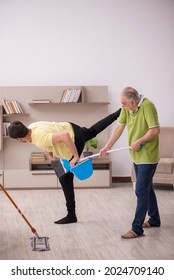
138	123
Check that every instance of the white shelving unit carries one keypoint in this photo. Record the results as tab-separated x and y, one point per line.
101	177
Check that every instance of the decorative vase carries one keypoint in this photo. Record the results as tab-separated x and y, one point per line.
86	154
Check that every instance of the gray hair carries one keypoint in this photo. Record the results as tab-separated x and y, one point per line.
131	94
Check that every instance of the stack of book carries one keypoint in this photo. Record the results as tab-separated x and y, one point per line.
38	156
11	107
71	95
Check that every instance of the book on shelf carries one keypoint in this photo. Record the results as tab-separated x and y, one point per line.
5	108
5	128
19	108
41	101
11	107
71	95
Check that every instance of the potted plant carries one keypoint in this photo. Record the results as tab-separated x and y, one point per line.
89	145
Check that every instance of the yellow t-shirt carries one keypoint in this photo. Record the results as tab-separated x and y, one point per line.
42	137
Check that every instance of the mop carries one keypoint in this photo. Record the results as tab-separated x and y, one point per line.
82	170
37	243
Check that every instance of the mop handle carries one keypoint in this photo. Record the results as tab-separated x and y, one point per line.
32	229
110	151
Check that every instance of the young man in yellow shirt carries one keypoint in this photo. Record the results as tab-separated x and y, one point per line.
62	139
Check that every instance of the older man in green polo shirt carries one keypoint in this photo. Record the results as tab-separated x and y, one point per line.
140	116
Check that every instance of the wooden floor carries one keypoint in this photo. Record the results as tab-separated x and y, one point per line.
103	215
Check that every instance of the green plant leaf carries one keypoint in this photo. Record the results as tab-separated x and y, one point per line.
92	143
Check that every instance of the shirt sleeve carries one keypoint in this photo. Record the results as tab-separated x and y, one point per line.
151	115
122	118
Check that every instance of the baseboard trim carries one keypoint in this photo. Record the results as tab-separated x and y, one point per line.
125	179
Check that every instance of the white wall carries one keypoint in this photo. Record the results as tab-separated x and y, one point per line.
93	42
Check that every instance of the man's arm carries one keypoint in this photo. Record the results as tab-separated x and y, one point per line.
115	135
150	134
49	155
64	137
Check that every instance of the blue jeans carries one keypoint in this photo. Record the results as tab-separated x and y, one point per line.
146	198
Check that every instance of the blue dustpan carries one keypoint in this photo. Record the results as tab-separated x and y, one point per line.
83	170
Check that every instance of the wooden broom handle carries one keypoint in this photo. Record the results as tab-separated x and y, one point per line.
15	205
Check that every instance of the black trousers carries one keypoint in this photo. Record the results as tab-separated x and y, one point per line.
82	134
